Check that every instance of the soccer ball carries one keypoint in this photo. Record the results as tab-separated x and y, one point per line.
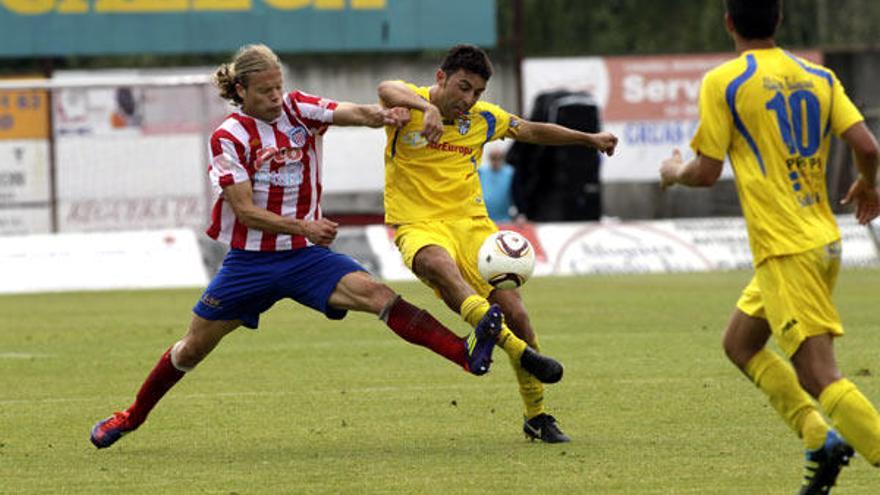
506	260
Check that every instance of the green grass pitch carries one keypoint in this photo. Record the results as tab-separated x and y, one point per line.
306	405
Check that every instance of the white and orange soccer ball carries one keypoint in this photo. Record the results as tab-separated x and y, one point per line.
506	259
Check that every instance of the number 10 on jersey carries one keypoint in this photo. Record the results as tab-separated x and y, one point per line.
800	127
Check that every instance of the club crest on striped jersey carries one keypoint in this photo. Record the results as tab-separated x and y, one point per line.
298	136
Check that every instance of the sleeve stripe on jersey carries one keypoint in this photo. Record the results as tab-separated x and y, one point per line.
813	70
214	229
217	146
490	130
823	74
226	180
730	94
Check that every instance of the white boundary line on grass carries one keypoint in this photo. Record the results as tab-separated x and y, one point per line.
23	355
368	390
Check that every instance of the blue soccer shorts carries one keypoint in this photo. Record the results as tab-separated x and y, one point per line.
250	282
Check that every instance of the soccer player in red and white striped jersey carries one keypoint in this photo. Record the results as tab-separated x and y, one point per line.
266	173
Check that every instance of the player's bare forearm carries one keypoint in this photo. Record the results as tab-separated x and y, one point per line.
398	94
240	198
557	135
866	151
352	114
701	171
863	192
321	231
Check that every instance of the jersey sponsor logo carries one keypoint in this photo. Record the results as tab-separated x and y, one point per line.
463	150
288	175
277	156
414	139
298	136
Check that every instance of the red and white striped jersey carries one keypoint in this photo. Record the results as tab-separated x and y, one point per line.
282	161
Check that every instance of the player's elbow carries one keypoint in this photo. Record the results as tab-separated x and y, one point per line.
867	151
704	172
386	90
246	216
706	179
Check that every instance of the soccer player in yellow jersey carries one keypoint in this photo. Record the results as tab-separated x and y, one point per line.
772	114
433	198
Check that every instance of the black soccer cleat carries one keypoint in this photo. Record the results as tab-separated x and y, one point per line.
824	464
544	368
543	427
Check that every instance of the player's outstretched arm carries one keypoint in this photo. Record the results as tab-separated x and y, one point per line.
701	171
557	135
864	190
353	114
240	197
398	94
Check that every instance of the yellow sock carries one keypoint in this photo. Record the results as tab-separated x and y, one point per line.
530	388
814	430
854	417
778	381
474	308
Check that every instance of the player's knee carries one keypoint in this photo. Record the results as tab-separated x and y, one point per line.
437	269
185	355
379	297
368	294
735	351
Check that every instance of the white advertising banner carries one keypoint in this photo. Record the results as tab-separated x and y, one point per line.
354	160
24	220
24	187
650	102
24	171
122	260
132	157
664	246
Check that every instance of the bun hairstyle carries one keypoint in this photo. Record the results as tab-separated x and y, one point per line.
249	60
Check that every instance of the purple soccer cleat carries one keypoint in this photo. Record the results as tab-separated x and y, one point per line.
481	342
106	432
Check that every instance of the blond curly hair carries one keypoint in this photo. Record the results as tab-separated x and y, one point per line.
250	59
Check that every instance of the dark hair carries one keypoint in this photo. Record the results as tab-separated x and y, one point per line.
755	19
468	57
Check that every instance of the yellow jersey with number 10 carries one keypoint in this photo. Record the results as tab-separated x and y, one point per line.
428	181
773	114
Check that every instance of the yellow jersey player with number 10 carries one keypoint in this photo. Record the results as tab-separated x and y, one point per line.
780	173
773	114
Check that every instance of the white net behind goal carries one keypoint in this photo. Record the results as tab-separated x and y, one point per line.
127	150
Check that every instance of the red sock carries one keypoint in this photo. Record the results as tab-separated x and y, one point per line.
417	326
159	381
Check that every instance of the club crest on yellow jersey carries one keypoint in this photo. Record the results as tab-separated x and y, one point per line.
464	124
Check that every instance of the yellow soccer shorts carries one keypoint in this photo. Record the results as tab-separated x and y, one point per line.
461	238
793	293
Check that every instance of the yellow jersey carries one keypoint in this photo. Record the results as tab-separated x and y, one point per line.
773	114
428	181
